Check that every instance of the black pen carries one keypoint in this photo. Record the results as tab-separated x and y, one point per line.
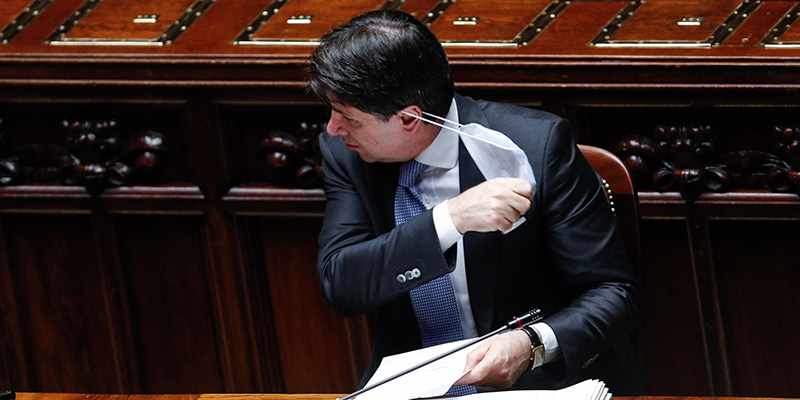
7	395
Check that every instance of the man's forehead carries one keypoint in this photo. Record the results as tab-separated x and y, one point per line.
340	108
350	111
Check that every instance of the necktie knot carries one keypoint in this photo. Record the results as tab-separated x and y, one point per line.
409	171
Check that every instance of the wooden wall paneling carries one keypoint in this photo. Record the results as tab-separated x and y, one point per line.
671	336
12	359
267	346
244	368
117	316
758	281
62	317
320	351
241	360
269	138
170	302
706	286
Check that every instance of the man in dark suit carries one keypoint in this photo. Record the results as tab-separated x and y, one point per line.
378	73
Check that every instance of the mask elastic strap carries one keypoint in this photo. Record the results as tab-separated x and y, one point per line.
434	122
442	118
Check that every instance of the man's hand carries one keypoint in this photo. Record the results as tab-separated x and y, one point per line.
493	205
499	361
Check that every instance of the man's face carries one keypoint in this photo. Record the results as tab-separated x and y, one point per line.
373	139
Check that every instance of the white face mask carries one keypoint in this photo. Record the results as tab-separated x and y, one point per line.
495	155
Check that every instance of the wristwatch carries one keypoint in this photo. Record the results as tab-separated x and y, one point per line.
537	347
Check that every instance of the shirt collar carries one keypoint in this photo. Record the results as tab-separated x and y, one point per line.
443	152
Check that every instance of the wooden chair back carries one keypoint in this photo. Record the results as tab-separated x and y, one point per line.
621	195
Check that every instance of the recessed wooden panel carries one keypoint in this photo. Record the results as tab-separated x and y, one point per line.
170	304
669	299
305	20
478	21
60	303
657	20
667	23
121	22
289	249
758	281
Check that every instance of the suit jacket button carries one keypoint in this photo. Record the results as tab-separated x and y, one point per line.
409	275
401	278
416	272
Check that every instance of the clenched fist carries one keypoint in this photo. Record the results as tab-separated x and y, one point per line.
493	205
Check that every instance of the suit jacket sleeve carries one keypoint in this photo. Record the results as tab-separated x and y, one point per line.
361	252
590	263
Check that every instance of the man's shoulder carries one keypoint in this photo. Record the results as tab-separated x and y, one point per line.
497	111
506	117
334	147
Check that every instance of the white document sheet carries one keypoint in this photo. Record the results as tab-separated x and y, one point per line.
429	381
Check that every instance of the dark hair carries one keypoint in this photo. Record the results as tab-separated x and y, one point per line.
381	62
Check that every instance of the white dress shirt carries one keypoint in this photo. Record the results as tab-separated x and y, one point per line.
438	183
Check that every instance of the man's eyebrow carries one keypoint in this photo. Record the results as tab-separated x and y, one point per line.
341	112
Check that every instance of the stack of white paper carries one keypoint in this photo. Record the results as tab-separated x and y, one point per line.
436	378
586	390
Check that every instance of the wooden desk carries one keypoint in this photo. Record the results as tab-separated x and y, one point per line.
273	396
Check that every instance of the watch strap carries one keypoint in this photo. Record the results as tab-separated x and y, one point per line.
537	347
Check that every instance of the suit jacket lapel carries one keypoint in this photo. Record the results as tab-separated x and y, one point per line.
480	249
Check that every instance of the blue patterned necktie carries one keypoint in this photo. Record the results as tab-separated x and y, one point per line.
434	302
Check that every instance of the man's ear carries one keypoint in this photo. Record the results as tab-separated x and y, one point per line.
407	117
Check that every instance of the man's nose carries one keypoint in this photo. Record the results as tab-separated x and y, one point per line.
335	125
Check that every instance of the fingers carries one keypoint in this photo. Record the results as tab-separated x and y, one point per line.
491	206
499	362
473	359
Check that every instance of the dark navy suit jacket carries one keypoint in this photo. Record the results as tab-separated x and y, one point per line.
566	259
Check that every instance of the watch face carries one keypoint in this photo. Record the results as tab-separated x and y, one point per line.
538	356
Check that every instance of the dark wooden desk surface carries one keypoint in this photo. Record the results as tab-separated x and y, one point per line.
267	396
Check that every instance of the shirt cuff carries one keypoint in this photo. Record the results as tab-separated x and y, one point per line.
551	350
445	229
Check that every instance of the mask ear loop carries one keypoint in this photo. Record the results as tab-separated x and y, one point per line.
434	122
442	118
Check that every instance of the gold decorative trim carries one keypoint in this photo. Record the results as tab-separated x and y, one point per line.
773	38
23	19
